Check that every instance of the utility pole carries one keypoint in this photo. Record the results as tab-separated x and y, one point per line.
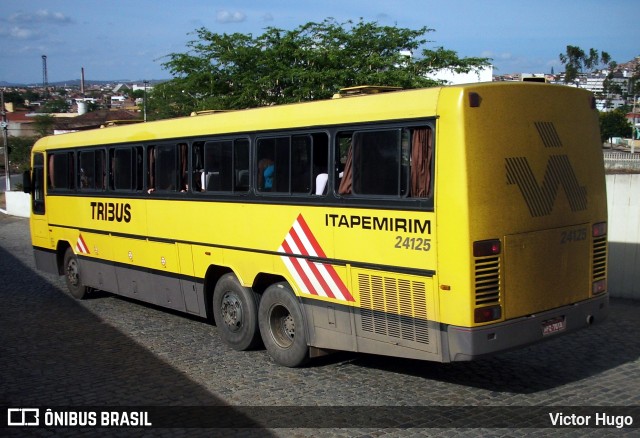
144	102
5	138
634	128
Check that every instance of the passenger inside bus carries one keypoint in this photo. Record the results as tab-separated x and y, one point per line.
266	170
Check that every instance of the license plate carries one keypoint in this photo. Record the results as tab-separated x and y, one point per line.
554	325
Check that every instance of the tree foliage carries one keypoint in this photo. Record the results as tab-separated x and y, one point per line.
20	152
312	61
56	106
614	124
43	124
577	60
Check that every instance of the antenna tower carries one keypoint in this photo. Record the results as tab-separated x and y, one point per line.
45	79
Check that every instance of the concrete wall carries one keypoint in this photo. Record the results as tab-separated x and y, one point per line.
18	203
621	161
623	196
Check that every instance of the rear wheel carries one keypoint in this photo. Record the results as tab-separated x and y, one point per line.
282	326
72	275
235	310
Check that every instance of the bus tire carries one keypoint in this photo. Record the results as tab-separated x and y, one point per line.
235	311
282	326
72	275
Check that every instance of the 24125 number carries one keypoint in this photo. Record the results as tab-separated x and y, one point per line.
413	243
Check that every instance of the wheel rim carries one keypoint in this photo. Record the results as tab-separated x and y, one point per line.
73	272
283	326
231	309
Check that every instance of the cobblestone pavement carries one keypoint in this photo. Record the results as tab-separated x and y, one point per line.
110	351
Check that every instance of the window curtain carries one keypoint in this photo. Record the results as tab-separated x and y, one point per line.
421	157
152	167
51	170
346	183
184	178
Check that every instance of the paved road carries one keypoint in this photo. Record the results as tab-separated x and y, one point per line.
109	351
14	181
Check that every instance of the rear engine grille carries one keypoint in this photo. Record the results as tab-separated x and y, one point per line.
599	258
487	280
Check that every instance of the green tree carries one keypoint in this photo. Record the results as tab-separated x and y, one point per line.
136	94
43	124
313	61
20	152
614	124
56	106
577	60
14	97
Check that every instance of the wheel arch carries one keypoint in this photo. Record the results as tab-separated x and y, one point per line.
213	274
263	280
61	249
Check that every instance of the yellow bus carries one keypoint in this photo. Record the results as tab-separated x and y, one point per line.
442	224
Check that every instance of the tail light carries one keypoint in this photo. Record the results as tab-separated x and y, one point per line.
485	248
599	229
485	314
599	286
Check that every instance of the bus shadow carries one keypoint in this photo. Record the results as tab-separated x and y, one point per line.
539	367
56	353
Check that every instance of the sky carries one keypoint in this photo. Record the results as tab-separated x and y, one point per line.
130	39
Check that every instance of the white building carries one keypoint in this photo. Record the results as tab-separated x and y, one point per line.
452	78
117	101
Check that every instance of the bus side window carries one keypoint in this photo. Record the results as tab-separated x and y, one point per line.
61	171
390	162
343	163
320	165
166	168
122	168
197	165
291	164
218	170
241	165
91	170
301	163
421	162
266	165
151	169
183	164
86	169
138	168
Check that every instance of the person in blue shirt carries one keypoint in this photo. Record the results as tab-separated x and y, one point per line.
266	171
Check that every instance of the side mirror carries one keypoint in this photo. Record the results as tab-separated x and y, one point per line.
26	181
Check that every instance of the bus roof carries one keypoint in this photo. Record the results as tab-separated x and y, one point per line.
398	105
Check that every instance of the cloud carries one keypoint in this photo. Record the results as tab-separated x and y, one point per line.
18	32
42	16
505	56
31	25
224	16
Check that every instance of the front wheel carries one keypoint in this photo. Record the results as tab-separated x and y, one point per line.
72	275
282	326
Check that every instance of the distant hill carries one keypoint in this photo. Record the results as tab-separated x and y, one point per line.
76	83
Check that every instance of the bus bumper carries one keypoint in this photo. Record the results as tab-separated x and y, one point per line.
467	343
